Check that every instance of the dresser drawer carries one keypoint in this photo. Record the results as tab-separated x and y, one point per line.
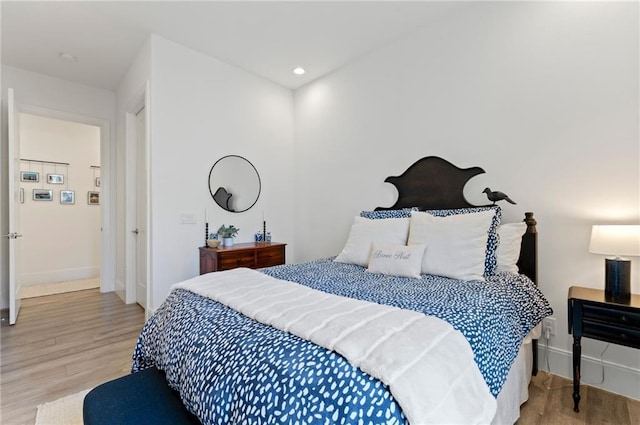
250	255
270	257
611	316
611	333
232	260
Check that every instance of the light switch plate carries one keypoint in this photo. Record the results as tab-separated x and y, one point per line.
187	218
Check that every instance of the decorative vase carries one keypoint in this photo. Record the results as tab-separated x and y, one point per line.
227	241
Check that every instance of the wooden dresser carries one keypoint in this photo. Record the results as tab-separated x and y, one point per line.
253	255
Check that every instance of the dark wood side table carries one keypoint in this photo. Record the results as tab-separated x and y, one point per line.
253	255
591	316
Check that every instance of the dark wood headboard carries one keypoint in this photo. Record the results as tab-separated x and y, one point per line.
528	261
435	183
432	183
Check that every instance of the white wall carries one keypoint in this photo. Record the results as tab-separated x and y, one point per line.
543	96
203	109
51	95
61	241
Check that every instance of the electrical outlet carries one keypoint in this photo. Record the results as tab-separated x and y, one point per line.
549	324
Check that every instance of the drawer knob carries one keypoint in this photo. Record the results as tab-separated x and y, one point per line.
623	318
623	337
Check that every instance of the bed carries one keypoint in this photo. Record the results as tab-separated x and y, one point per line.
365	338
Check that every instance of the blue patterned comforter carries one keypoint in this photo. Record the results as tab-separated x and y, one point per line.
231	369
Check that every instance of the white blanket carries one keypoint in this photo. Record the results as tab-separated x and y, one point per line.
427	364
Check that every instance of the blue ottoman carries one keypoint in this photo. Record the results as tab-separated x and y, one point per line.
140	398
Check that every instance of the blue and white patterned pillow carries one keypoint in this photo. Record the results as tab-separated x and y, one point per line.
491	259
377	215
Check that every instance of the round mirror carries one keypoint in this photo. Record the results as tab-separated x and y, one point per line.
234	183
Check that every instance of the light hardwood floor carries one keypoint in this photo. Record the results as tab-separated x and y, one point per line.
66	343
555	406
63	344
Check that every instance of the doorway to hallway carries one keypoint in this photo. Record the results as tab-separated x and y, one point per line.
60	207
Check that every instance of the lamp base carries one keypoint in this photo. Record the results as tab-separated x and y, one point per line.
617	280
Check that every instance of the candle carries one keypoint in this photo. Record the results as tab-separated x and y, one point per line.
205	216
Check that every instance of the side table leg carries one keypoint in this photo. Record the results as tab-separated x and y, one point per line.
577	352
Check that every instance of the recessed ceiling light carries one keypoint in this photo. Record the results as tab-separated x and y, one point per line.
298	71
68	57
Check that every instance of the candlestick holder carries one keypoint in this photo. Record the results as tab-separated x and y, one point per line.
264	230
206	233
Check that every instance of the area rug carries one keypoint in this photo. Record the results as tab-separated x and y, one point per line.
63	411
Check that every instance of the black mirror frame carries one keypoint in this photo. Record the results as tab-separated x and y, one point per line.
213	194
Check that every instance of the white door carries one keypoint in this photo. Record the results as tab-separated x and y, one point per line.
15	199
141	210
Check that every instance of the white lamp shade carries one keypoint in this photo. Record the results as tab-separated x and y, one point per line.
622	239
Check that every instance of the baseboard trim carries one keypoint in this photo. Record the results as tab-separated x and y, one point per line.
45	289
149	312
619	379
62	275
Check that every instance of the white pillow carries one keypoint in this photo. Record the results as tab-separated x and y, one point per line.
509	243
364	231
396	260
456	244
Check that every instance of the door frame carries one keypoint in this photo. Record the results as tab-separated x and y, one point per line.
107	188
140	272
138	101
14	229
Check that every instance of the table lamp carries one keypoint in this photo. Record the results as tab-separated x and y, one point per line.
616	240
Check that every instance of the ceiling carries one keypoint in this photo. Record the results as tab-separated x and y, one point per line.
265	38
